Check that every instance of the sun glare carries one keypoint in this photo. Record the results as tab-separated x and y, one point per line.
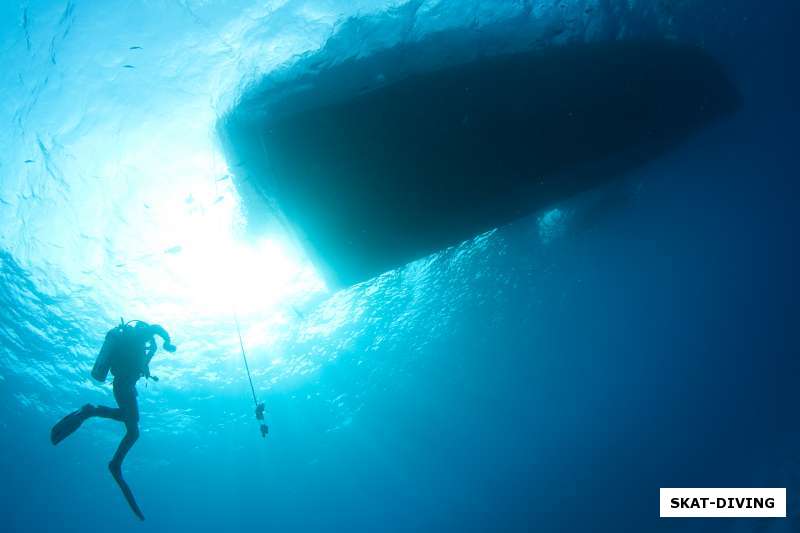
197	259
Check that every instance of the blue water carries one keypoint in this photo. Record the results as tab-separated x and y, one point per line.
550	375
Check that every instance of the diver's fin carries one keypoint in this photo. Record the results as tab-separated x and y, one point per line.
69	424
116	472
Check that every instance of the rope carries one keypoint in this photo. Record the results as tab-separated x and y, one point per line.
244	356
259	406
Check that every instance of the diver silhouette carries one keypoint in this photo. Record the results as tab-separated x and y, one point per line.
126	352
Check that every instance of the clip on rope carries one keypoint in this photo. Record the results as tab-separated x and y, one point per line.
259	405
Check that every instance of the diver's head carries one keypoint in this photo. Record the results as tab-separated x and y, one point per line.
136	325
138	329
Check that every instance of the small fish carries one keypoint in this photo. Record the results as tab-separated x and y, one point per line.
174	250
219	199
29	161
135	48
128	66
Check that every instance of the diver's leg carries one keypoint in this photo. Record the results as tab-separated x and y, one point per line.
128	412
103	411
115	467
127	442
129	409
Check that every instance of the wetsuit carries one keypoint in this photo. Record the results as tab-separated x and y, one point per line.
133	350
130	349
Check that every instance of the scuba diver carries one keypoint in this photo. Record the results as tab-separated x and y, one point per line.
126	352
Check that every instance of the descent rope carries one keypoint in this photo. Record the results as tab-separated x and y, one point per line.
259	406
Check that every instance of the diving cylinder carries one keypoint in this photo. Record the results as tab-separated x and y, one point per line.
103	362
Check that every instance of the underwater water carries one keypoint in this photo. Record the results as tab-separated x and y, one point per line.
548	375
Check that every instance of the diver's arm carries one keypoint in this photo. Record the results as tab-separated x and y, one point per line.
155	329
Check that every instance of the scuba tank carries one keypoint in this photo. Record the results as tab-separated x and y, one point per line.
102	364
